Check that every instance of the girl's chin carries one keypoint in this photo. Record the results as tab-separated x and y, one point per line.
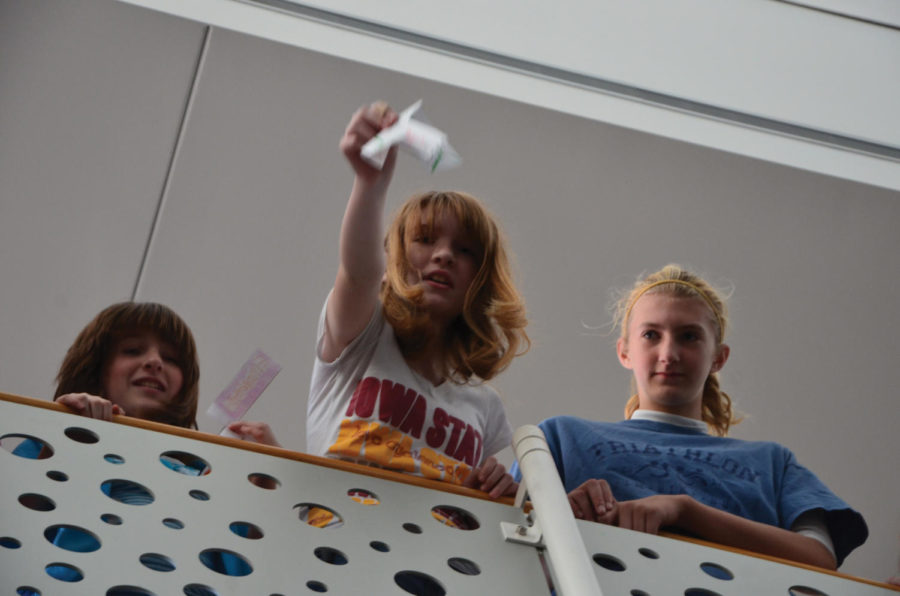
441	309
153	411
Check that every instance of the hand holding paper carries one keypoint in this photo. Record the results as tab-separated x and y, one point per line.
249	383
414	134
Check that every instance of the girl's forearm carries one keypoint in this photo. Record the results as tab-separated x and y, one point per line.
362	232
725	528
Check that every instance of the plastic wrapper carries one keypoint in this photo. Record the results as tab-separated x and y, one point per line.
415	135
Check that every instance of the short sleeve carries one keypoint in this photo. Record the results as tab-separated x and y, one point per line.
331	384
802	491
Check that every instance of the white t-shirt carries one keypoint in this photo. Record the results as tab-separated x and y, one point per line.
369	407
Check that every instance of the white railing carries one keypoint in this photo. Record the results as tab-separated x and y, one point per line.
267	521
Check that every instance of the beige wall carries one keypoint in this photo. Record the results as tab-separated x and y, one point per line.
92	98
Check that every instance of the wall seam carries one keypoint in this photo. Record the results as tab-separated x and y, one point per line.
173	159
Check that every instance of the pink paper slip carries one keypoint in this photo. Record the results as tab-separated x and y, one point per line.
244	389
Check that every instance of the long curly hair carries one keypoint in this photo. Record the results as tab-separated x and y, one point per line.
83	366
490	332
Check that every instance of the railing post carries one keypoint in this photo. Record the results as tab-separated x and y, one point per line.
572	567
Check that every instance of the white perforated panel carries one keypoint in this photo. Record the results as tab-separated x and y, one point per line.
376	549
637	564
283	560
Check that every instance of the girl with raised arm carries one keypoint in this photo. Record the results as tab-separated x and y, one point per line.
415	323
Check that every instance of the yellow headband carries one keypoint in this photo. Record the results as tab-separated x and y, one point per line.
680	282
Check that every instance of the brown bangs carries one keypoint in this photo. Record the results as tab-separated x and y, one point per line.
158	319
474	222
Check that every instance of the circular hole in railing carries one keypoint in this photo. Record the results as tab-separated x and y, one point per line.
226	562
9	542
363	496
380	546
717	571
319	516
82	435
412	528
128	591
649	553
27	591
330	555
26	446
112	519
64	572
455	517
200	495
157	562
171	522
416	582
246	530
72	538
464	566
37	502
199	590
127	491
57	476
316	586
264	481
609	562
700	592
114	459
805	591
185	463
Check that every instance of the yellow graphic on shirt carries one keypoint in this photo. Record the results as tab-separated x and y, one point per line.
363	497
319	516
391	449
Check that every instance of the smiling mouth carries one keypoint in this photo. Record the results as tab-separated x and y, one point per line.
150	384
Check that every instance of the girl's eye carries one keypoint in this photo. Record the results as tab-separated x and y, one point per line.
690	336
650	334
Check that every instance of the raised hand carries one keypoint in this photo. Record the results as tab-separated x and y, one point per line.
365	123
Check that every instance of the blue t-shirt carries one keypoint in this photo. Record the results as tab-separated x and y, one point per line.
756	480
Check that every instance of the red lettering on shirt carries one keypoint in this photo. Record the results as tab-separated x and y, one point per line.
415	418
363	401
458	426
401	407
469	449
437	433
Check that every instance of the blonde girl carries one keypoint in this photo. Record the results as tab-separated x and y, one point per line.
670	464
414	325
